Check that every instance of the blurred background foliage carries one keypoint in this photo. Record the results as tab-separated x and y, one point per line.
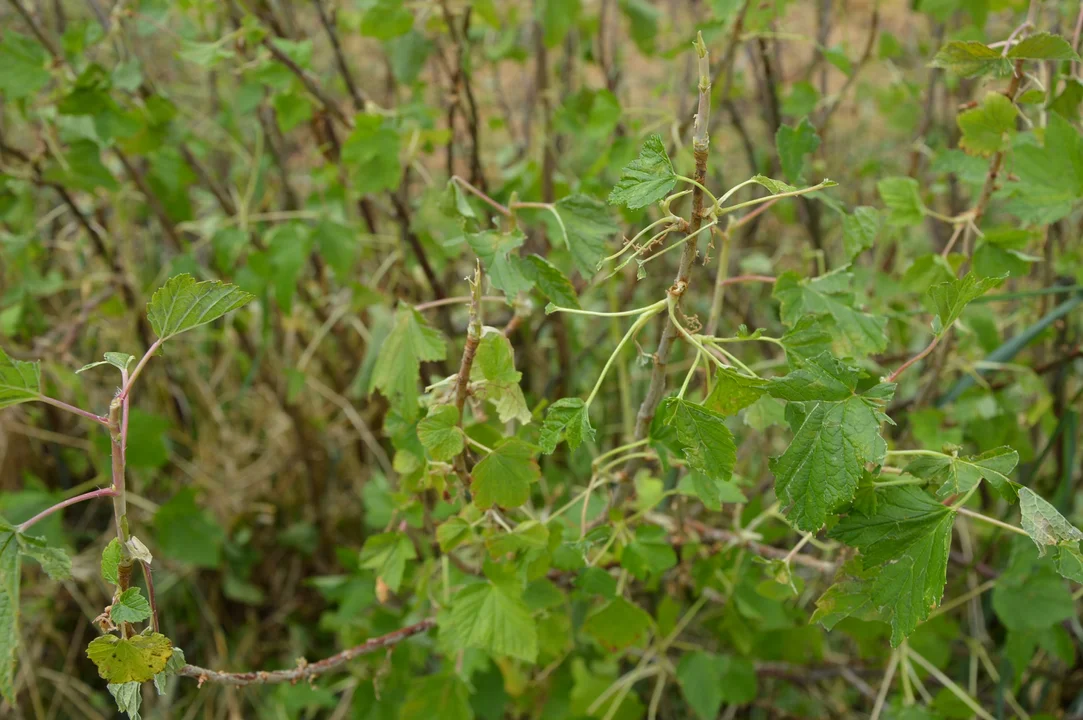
301	150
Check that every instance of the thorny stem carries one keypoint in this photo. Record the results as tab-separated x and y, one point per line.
473	338
103	492
307	671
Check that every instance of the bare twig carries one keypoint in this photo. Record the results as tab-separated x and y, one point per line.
307	671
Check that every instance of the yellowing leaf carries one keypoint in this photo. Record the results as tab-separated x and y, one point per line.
136	659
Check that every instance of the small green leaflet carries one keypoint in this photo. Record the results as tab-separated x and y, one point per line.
121	361
568	420
130	607
793	144
858	333
494	368
387	554
647	179
54	561
492	617
136	659
988	128
706	442
552	283
440	434
903	200
732	392
961	474
504	476
1050	531
950	298
618	624
20	380
182	304
498	252
398	363
370	154
443	696
907	539
111	556
840	432
587	227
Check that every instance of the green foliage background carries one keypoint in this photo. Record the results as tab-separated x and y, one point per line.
446	239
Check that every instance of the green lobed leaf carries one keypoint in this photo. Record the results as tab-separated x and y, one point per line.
129	607
902	197
492	617
951	298
859	230
370	154
494	364
732	392
708	680
618	624
24	61
647	179
443	696
128	696
857	333
839	432
440	434
989	127
398	363
20	380
54	561
587	227
568	420
793	144
387	554
907	539
183	304
497	252
1050	176
135	659
550	281
706	442
504	476
649	553
961	474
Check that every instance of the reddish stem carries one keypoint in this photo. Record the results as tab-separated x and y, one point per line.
928	349
103	492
